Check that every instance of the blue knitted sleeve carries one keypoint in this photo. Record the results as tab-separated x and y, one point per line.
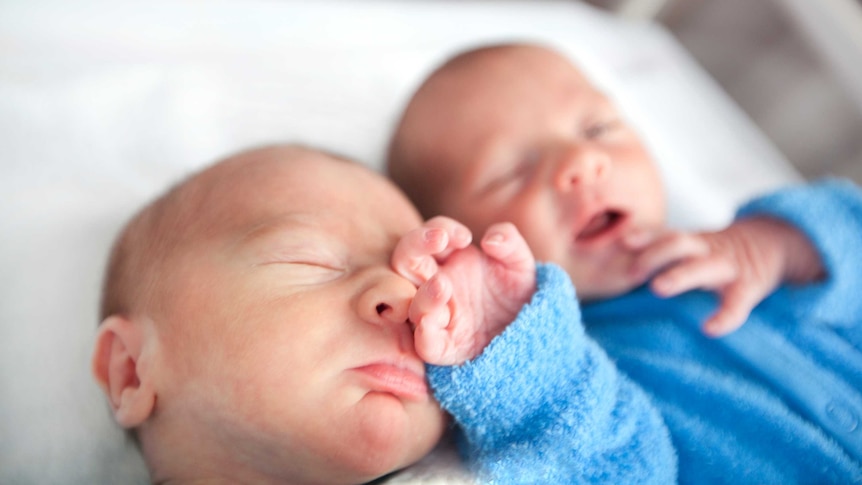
544	404
829	212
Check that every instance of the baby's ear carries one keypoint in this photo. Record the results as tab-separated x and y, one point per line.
117	369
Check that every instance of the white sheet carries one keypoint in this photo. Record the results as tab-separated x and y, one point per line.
104	104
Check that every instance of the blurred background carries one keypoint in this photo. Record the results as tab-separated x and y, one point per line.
794	66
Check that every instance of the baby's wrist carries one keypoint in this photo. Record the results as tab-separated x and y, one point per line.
802	263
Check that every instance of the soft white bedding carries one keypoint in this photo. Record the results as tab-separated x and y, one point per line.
104	104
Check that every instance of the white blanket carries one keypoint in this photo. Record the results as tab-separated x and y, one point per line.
103	104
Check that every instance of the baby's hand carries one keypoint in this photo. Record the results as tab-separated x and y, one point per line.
743	263
466	295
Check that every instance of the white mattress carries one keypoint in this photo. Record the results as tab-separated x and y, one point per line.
103	104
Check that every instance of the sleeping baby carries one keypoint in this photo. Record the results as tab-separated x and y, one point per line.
517	133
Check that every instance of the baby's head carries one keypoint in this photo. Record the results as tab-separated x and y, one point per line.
254	331
517	133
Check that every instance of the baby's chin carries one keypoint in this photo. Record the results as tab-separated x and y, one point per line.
393	435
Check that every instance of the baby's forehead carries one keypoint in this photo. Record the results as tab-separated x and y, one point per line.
315	185
234	189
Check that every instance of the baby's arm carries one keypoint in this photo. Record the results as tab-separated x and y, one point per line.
466	295
743	263
544	404
829	213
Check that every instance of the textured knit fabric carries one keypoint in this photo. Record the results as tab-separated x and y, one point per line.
776	402
544	405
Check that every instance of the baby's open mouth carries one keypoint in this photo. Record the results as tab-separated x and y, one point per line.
601	223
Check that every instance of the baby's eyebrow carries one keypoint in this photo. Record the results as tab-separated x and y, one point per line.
273	228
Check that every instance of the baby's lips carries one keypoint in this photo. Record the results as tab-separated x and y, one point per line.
395	379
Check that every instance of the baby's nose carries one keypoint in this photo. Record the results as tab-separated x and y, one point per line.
389	313
387	300
579	166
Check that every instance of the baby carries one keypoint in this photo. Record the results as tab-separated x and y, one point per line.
258	327
254	331
517	133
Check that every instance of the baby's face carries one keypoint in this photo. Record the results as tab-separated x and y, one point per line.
286	332
526	138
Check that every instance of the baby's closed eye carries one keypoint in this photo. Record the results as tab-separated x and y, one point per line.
300	260
600	128
515	171
306	273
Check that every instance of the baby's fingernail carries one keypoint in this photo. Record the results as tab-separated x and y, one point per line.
495	238
433	234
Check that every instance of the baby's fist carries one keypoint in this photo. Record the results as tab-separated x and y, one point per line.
473	296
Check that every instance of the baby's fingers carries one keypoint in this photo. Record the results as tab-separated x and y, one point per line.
430	314
416	254
505	244
431	344
430	305
708	273
737	301
413	255
458	235
666	250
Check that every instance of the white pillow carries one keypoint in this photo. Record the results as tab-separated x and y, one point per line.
104	104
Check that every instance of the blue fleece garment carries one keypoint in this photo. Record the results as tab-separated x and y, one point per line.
543	404
776	402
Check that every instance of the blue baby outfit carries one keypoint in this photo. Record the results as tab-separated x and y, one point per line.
629	390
